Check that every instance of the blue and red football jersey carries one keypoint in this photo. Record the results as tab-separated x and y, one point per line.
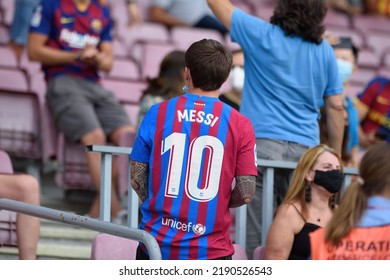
71	29
195	146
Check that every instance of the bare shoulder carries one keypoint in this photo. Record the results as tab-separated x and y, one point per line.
289	214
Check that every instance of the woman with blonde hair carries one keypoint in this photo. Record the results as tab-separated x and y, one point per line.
308	205
360	227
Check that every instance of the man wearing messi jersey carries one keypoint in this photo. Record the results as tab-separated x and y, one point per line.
187	153
72	40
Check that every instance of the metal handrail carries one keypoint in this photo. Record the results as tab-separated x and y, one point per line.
84	222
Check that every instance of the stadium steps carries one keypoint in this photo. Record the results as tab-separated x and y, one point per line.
58	241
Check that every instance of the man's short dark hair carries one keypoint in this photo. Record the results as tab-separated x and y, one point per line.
209	63
303	18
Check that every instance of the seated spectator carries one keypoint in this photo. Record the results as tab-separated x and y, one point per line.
20	25
360	227
346	54
24	188
373	106
237	77
185	12
72	54
308	205
169	83
350	7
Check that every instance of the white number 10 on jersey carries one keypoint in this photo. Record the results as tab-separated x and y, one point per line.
175	143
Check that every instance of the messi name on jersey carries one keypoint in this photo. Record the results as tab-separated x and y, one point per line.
77	40
197	116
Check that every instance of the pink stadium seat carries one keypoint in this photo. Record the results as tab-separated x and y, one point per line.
239	253
259	253
20	116
369	59
7	219
369	23
183	36
8	58
110	247
337	19
32	68
8	8
147	32
127	92
150	56
378	41
4	35
119	48
126	69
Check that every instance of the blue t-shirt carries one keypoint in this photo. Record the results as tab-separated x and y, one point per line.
377	213
286	80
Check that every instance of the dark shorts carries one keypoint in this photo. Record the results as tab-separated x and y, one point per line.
80	106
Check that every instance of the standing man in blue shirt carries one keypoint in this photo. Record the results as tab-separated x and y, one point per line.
290	73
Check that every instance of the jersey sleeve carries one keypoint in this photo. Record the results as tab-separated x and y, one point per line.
247	156
108	30
42	19
142	148
369	94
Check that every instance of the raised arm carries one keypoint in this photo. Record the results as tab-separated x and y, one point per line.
335	121
243	192
223	10
140	178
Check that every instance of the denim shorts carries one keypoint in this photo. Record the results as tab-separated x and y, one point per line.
20	26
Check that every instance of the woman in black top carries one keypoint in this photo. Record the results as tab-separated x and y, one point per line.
308	205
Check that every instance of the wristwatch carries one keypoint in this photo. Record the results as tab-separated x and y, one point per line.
76	56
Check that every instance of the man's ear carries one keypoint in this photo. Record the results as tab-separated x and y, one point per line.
187	75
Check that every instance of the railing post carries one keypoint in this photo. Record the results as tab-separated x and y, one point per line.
267	201
105	187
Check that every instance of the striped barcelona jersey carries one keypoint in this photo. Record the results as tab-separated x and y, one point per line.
195	146
71	29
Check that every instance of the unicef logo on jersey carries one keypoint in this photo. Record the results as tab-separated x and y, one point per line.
199	229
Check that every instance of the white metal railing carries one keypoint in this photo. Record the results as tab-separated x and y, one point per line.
269	167
84	222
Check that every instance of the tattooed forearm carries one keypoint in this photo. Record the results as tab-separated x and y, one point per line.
139	179
243	192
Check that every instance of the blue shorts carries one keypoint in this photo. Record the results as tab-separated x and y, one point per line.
20	26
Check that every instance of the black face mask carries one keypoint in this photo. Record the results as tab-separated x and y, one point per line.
331	180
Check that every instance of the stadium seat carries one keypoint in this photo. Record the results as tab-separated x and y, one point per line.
239	253
264	12
183	36
362	76
149	55
4	35
371	23
8	58
126	69
259	253
337	19
20	133
378	41
7	219
110	247
353	90
8	8
369	59
147	32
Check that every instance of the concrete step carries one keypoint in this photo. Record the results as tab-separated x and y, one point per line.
58	241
